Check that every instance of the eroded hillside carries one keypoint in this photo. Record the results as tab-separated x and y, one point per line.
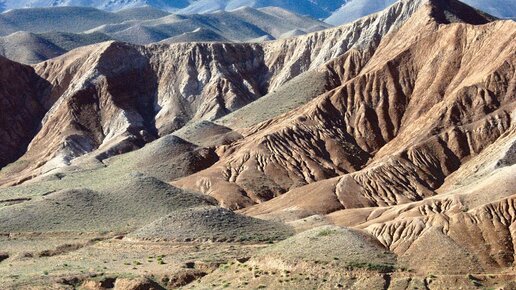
375	155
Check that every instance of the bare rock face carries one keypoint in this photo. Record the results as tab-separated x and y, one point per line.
204	81
415	111
21	109
94	103
112	98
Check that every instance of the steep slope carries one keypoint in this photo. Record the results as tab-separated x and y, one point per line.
472	220
196	81
394	123
21	109
445	179
95	108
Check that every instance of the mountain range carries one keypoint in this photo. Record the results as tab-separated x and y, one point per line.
34	35
378	154
335	12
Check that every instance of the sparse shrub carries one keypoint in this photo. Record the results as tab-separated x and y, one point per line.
382	268
474	280
325	232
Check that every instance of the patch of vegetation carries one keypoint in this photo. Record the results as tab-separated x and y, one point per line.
474	280
325	232
381	268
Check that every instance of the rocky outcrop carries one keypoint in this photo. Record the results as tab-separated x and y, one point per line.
98	106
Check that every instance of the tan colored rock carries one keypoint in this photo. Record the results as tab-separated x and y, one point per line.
112	98
395	128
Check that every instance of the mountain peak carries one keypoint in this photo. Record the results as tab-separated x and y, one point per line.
450	11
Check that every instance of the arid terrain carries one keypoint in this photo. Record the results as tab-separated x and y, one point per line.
380	154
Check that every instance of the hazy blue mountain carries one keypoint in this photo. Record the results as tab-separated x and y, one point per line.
111	5
240	25
26	47
36	34
314	8
69	19
335	11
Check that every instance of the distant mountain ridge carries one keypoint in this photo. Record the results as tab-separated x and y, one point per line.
315	8
334	11
37	34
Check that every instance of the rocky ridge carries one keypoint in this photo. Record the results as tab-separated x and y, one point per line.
174	84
